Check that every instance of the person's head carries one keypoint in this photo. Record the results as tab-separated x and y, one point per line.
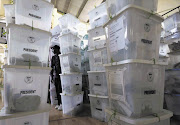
56	49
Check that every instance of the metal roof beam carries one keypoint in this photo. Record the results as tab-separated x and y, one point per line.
67	4
81	8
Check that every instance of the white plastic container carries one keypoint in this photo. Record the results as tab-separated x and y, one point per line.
9	13
20	81
113	6
173	102
98	12
97	58
134	86
115	118
98	83
97	38
171	38
55	40
3	35
27	46
56	31
99	21
68	21
71	83
38	117
35	13
67	31
98	106
174	62
172	23
134	34
69	43
70	63
72	104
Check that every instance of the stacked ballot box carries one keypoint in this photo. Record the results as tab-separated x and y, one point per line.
97	52
70	59
26	73
135	76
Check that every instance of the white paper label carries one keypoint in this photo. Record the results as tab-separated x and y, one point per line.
116	35
116	84
97	58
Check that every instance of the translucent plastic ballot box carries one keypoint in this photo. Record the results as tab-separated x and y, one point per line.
171	38
69	43
113	6
26	88
134	33
35	13
9	13
99	21
98	12
70	63
98	16
114	118
172	23
97	58
136	87
38	117
98	106
98	83
56	31
97	38
28	46
68	21
71	83
72	104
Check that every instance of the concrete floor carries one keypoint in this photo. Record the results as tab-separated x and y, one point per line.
57	118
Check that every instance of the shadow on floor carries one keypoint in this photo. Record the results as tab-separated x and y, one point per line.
82	118
58	115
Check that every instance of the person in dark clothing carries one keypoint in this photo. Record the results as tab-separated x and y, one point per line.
55	77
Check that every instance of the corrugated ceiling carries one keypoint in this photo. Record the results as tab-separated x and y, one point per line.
78	8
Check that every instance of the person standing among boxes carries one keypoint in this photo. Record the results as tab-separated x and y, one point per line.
55	71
